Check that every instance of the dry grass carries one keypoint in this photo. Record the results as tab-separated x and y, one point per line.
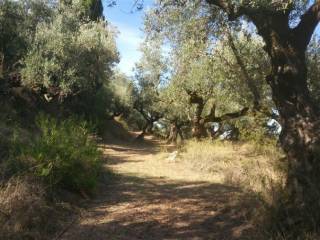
26	213
260	170
257	169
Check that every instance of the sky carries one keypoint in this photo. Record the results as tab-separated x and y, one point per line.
129	23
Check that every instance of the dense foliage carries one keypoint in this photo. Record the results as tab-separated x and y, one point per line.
64	154
18	23
50	65
56	57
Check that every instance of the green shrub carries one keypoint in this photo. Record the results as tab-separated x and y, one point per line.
253	128
64	154
69	56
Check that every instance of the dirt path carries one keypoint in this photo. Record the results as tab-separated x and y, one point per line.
155	198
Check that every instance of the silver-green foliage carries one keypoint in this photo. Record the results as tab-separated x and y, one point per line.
122	93
313	59
18	21
69	56
202	59
150	77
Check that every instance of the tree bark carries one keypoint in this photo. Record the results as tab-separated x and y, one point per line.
173	135
299	115
199	129
176	130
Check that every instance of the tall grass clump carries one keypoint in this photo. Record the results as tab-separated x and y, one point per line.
63	155
262	172
239	164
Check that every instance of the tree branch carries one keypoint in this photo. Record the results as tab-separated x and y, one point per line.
223	4
227	7
227	116
232	11
305	29
194	97
250	82
139	107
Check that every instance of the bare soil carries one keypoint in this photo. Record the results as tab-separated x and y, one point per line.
153	198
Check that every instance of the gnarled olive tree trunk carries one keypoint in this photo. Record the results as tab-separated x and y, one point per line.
199	129
299	117
175	131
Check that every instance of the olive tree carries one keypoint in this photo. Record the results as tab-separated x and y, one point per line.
149	77
206	66
91	9
18	22
69	56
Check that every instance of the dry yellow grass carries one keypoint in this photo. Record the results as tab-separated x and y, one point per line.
153	162
237	164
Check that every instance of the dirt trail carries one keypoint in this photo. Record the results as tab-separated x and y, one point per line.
154	198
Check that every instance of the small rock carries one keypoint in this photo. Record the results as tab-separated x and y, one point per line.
172	156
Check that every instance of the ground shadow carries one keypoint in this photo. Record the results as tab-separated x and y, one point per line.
132	207
155	208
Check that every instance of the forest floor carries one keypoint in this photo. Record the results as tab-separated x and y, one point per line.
153	198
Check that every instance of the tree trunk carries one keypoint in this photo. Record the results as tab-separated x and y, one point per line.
147	128
180	133
2	65
199	130
299	117
300	136
173	135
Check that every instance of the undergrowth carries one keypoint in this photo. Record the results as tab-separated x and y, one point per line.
245	165
36	167
256	168
63	155
26	213
259	169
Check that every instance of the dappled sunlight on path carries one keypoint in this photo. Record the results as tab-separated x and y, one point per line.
153	198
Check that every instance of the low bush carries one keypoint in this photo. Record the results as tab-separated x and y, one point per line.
64	154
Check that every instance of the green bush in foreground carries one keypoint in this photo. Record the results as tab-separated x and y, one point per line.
64	154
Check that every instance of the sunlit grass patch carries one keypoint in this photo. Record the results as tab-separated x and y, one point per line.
237	164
